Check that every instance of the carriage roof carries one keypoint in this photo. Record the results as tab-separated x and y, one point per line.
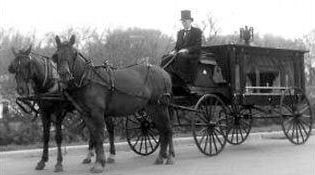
252	49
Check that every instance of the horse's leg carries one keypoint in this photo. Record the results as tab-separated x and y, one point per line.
160	122
58	138
46	129
97	126
90	151
110	130
171	153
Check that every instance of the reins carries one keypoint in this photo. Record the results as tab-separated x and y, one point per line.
170	61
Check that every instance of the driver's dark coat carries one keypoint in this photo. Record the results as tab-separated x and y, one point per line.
192	41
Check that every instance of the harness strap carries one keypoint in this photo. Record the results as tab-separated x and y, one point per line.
111	84
46	72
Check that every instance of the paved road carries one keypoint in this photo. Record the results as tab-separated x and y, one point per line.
254	157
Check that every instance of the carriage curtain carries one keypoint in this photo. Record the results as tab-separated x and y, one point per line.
283	67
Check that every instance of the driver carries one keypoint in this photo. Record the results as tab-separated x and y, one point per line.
187	48
189	38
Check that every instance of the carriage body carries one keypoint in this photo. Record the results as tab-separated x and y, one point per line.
257	75
234	84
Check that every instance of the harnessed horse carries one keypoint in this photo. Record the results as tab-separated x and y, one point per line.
116	93
41	73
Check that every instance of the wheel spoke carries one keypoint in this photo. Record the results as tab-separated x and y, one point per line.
306	116
202	137
135	128
151	145
232	134
214	142
296	132
216	135
245	124
303	127
210	142
145	144
206	143
304	109
300	129
293	129
141	145
138	138
304	122
236	133
290	127
133	121
241	132
152	135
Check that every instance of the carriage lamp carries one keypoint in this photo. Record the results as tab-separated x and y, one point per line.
247	34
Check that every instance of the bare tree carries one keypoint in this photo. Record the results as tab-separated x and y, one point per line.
309	41
210	29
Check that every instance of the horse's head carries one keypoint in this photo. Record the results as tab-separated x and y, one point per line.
21	67
65	57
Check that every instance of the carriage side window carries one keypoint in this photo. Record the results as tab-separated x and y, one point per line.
263	79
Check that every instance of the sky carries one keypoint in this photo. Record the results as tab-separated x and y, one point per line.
286	18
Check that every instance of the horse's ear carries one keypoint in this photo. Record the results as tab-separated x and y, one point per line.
28	51
14	51
58	42
72	40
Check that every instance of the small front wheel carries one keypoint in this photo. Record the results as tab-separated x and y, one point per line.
142	135
239	124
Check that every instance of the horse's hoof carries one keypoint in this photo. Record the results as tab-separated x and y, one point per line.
170	161
110	160
97	168
158	161
40	165
86	161
58	168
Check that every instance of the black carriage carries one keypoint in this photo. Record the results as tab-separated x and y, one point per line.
231	85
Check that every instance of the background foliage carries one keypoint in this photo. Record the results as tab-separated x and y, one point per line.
120	48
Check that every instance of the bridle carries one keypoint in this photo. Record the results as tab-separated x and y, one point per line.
27	77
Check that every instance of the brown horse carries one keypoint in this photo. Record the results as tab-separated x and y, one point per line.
30	69
122	92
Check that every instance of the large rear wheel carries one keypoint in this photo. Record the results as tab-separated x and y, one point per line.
296	116
208	125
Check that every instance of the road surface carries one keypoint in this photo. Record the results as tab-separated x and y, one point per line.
267	156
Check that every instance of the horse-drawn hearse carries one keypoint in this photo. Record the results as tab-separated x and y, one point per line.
230	85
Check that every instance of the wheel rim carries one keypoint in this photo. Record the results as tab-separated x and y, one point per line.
296	116
142	136
208	125
239	125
